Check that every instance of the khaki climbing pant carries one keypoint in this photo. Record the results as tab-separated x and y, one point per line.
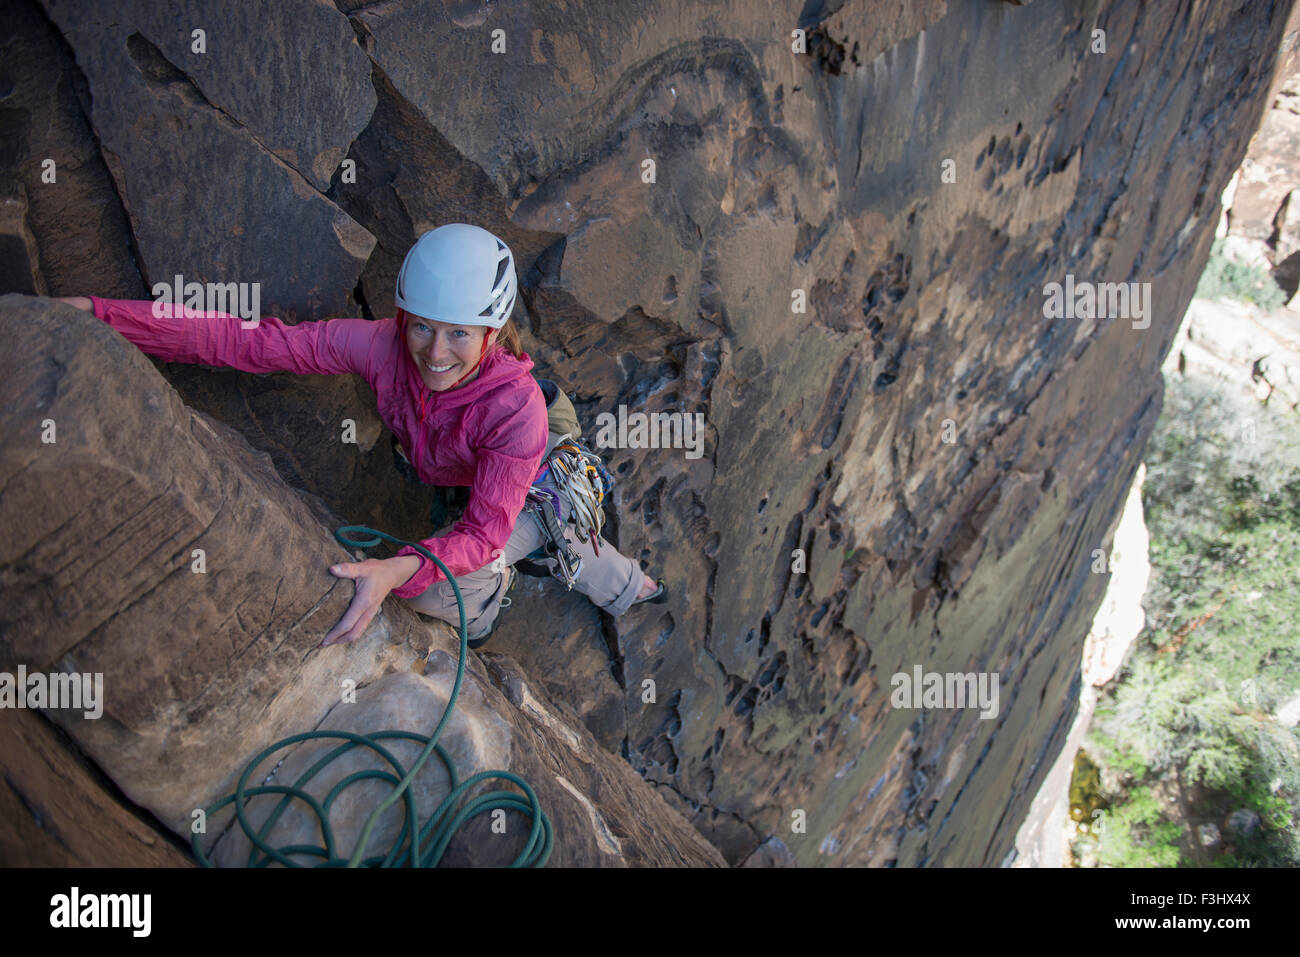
610	579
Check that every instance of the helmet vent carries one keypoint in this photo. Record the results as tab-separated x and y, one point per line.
490	309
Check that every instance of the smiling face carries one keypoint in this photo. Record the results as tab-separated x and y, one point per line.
443	352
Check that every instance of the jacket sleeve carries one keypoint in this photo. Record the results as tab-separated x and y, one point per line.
180	334
507	464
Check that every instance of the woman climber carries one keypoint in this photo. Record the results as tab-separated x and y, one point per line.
455	389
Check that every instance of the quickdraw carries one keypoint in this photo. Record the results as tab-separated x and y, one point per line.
544	506
582	484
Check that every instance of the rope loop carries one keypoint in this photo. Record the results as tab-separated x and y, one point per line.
422	847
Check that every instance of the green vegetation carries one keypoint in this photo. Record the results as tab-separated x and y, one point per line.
1138	835
1225	279
1186	735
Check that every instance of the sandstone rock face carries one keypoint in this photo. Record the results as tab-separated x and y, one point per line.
81	231
1268	171
50	798
1252	352
1043	839
602	814
838	256
149	545
925	308
20	269
1261	207
166	108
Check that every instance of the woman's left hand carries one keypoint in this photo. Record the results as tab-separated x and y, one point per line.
375	578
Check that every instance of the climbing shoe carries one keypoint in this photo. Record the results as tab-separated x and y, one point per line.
657	597
480	639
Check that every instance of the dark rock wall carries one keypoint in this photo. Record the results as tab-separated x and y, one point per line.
59	812
773	172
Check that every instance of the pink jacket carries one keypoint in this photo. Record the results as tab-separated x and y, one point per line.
489	434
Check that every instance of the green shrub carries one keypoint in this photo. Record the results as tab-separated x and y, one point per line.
1225	279
1137	834
1192	705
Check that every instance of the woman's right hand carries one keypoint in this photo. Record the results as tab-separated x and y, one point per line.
375	578
80	302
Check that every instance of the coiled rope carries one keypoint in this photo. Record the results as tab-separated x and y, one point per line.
442	824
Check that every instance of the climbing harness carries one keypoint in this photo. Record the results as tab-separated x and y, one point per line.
582	485
544	505
445	820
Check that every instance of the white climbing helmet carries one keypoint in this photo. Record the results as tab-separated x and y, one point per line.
460	274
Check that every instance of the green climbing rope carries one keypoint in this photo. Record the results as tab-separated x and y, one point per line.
443	823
